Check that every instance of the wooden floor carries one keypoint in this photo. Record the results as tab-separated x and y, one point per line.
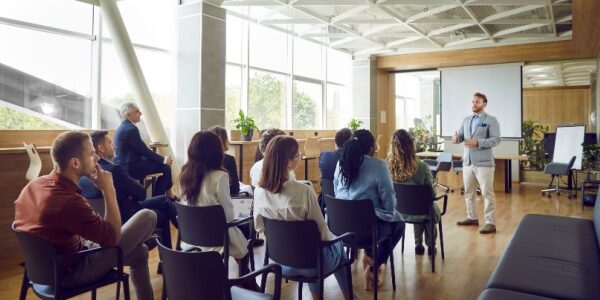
470	256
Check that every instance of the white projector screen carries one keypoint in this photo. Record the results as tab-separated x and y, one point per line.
502	85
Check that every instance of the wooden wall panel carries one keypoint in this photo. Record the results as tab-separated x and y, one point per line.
15	138
554	106
385	103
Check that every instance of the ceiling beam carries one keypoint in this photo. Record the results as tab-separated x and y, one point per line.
390	12
430	12
511	12
517	29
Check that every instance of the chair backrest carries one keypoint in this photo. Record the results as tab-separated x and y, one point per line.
40	257
444	161
378	143
457	165
413	199
35	162
193	275
356	216
97	205
204	226
312	147
327	187
293	243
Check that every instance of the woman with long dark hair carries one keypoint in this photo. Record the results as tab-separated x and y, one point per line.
359	175
281	198
204	182
407	169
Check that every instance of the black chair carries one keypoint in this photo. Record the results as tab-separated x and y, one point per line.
44	270
418	200
557	170
202	275
206	226
327	187
298	244
358	217
443	163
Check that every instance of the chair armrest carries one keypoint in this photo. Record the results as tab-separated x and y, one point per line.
242	195
348	238
445	205
239	222
87	252
270	268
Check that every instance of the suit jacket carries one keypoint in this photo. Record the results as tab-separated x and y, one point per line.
130	148
327	163
231	167
487	133
129	191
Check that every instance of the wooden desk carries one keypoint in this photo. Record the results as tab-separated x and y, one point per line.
507	165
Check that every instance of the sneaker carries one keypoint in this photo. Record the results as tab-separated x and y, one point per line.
419	250
488	228
467	222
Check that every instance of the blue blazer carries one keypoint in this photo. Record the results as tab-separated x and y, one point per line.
130	148
129	191
327	163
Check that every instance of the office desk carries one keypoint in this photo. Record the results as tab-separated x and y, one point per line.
507	165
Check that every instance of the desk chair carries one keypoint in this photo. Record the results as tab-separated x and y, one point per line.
377	143
202	275
443	163
44	274
35	162
312	150
557	169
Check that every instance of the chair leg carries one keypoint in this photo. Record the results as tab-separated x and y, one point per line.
299	290
24	287
392	265
94	292
432	239
441	238
375	268
403	238
263	278
126	289
252	265
349	275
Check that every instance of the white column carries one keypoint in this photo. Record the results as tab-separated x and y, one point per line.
364	93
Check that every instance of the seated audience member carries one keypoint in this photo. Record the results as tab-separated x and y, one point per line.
265	137
277	197
51	207
131	195
133	155
204	182
328	160
228	160
407	169
359	175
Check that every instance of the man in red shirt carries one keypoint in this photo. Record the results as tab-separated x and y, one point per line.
51	207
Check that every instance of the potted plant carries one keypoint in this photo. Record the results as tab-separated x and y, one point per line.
354	124
591	156
532	145
246	125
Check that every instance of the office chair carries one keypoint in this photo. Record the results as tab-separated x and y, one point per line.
443	163
557	169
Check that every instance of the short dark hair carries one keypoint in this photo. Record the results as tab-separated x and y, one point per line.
342	136
482	96
266	136
98	137
66	146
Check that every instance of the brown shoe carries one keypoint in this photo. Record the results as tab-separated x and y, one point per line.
467	222
487	228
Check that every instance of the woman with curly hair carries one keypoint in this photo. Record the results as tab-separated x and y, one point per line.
407	169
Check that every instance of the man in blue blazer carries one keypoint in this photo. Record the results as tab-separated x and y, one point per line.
328	160
133	154
131	195
480	132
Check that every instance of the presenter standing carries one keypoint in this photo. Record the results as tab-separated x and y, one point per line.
480	132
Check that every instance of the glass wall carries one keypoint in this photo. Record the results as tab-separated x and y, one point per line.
47	62
284	81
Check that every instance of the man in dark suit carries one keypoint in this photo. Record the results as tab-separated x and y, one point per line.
328	160
131	195
133	154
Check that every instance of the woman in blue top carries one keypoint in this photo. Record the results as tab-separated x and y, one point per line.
359	175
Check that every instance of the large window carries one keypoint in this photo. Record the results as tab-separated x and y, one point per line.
266	99
292	83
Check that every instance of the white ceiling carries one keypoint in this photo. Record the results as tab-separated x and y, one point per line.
381	27
564	73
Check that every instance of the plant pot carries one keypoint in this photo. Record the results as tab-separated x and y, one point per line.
248	137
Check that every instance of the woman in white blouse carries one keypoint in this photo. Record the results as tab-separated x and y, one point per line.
204	182
277	197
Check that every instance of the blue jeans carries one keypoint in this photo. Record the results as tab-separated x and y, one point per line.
333	256
396	229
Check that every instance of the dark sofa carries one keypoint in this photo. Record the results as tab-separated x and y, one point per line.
549	257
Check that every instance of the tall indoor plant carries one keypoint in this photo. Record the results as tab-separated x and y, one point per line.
533	145
246	125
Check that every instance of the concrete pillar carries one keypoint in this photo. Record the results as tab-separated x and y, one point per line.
200	100
364	92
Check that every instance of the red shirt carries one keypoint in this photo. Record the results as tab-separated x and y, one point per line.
51	207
